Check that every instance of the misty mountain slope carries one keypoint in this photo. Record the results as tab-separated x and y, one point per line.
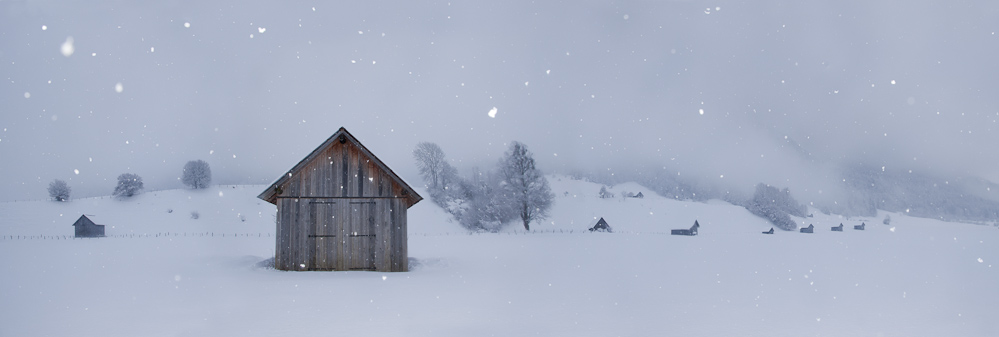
915	277
916	194
578	206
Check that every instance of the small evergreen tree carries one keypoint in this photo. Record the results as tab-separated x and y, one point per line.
887	220
59	190
197	174
129	184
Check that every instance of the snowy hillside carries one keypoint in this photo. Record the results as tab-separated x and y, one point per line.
915	277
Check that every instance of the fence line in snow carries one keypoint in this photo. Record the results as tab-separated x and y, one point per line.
138	236
532	232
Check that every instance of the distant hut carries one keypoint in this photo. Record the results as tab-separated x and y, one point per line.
809	229
690	232
341	208
771	231
87	229
837	228
639	195
860	227
601	226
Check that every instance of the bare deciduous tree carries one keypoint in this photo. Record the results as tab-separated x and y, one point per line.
430	161
532	197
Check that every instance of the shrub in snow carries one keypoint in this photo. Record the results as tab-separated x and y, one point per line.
488	206
197	174
776	206
129	184
887	220
169	210
195	215
59	190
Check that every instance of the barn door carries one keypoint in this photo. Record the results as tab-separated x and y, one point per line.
361	236
323	235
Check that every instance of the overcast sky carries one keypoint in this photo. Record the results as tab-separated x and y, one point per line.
736	92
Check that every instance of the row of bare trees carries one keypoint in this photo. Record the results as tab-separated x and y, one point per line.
197	174
515	189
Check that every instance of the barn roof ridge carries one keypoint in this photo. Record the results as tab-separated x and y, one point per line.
81	218
270	194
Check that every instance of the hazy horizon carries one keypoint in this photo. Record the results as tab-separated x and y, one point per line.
726	92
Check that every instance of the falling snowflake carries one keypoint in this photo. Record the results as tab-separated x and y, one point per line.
492	112
67	48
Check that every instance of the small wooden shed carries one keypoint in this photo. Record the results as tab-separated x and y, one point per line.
341	208
690	232
601	226
87	229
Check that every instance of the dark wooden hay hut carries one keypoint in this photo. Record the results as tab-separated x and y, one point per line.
809	229
601	226
837	228
341	208
690	232
87	229
860	227
771	231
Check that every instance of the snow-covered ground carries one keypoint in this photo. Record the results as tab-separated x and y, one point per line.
915	277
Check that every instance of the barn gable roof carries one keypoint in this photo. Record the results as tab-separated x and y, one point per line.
270	194
84	221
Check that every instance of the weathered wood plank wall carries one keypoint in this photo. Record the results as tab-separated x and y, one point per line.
341	212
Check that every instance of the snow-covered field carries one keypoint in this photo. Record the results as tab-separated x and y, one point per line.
915	277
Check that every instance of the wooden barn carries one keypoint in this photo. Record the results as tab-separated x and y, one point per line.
341	208
87	229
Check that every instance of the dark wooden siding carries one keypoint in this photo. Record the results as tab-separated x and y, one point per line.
341	212
340	171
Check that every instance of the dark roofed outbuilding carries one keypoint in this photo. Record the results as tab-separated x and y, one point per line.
601	226
85	228
341	208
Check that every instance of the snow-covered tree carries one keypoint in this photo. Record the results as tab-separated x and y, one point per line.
129	184
489	206
59	190
527	187
776	206
604	194
441	177
197	174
